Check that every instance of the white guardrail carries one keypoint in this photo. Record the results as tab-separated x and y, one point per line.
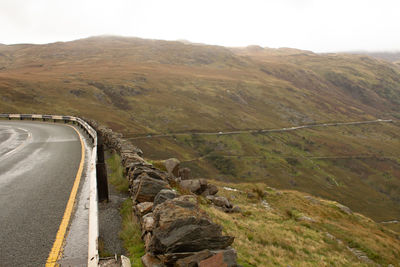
93	253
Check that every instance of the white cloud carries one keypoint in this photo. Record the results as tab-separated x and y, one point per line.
318	25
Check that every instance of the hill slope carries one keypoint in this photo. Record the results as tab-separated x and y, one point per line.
141	86
388	56
289	228
161	86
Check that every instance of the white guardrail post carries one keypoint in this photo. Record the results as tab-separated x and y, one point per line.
93	237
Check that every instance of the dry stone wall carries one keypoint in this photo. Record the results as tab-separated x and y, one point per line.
175	231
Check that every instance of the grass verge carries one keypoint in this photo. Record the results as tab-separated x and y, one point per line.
130	232
116	177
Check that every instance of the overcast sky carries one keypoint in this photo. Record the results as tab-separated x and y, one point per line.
317	25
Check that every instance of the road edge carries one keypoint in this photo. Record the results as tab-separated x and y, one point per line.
57	248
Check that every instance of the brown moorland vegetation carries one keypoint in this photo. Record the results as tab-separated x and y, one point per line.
289	228
142	87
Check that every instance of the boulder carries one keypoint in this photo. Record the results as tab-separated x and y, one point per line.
312	199
135	171
266	205
130	155
210	190
194	259
182	227
187	235
138	151
143	208
214	261
177	208
132	166
157	174
196	186
149	260
128	147
147	188
251	195
151	171
236	209
218	201
125	261
114	141
147	240
225	258
169	259
305	219
172	166
130	158
184	173
108	262
133	186
148	222
164	195
344	209
122	145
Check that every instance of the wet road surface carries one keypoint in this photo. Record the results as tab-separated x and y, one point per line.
38	166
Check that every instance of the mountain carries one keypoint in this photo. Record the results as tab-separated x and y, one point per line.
146	87
393	57
225	88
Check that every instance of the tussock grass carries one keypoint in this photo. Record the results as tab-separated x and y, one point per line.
103	253
131	234
275	237
131	231
159	164
116	177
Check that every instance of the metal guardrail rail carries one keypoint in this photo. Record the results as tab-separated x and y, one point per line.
93	253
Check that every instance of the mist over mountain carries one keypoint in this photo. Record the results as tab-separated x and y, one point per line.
391	56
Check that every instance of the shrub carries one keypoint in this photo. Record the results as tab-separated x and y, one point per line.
224	165
292	161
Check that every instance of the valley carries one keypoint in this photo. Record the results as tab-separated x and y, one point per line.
149	87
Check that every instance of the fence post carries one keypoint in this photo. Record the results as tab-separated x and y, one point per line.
101	171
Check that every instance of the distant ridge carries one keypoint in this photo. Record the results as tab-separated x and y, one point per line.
393	57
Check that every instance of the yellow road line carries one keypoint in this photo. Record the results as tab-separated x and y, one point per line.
56	251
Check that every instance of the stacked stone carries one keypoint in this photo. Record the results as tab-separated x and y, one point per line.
198	186
176	232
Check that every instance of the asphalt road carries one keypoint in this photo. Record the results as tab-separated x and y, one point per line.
266	130
38	166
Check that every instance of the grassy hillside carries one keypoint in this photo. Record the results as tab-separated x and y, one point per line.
161	86
388	56
288	228
142	87
356	165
